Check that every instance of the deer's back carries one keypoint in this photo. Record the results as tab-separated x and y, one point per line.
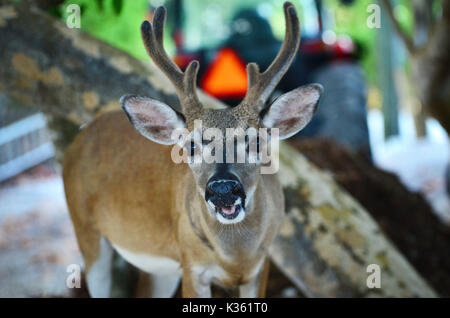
122	184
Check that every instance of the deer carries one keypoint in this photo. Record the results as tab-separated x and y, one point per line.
199	223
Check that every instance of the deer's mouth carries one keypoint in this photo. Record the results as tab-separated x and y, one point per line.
229	212
225	196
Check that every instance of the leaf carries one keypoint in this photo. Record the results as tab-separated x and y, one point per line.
117	5
56	12
99	4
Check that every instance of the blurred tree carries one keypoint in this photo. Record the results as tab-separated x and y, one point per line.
348	20
386	78
429	50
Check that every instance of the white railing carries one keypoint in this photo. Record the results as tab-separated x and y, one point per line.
24	144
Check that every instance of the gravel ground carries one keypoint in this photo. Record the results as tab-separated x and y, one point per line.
37	241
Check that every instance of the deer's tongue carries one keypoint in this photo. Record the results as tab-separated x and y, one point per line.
228	210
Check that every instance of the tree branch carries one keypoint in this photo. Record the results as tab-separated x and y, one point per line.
445	10
407	41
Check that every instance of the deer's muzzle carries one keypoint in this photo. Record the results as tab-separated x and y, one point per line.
226	195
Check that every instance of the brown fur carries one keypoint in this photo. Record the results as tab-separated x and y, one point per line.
121	186
127	189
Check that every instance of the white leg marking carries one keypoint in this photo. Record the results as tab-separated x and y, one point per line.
203	275
250	290
164	286
99	277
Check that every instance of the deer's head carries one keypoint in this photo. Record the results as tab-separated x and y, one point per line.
226	187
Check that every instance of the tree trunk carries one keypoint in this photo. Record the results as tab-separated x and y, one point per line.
386	67
430	57
328	239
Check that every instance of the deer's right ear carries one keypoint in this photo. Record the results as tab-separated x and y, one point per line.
151	118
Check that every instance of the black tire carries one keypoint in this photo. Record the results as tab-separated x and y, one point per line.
341	114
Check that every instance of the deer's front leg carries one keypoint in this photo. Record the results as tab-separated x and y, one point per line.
257	286
195	283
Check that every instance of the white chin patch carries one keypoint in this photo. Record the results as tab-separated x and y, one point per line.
237	219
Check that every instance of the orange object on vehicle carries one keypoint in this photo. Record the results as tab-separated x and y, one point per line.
226	77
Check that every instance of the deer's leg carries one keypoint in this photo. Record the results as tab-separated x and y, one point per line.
99	268
195	284
257	286
107	273
164	286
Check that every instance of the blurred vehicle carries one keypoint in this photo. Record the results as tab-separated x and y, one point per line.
323	58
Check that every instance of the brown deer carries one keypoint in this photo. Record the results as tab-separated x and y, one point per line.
202	222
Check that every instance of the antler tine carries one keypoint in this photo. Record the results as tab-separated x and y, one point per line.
185	83
261	85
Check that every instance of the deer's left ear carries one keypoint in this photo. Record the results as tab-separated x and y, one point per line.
292	111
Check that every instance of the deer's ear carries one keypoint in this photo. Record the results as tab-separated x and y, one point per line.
292	111
151	118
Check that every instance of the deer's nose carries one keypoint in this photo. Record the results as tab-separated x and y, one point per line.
222	187
224	190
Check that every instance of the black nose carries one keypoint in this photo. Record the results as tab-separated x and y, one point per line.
224	190
222	187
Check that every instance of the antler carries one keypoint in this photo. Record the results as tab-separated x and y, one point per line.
185	83
261	85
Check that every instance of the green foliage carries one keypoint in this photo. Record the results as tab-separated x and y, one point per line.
114	21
